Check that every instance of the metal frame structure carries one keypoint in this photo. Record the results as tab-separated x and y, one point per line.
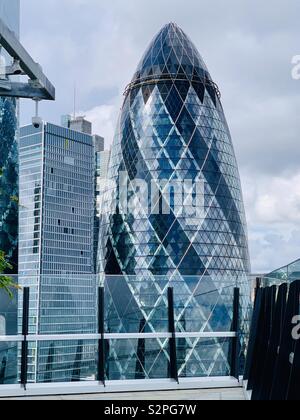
154	79
38	87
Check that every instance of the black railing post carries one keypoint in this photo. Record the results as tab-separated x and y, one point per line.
173	351
258	283
3	370
101	344
141	348
266	382
25	332
235	365
264	342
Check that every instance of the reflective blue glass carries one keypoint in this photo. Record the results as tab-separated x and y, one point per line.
10	14
56	247
172	130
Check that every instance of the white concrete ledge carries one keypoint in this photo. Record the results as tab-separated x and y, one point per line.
247	394
81	388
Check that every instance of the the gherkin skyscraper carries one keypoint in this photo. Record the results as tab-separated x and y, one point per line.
172	138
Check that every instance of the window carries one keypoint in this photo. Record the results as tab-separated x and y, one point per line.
59	222
52	170
69	160
66	231
2	325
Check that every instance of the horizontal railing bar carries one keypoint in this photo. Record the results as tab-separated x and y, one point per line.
207	335
129	336
63	337
116	336
11	339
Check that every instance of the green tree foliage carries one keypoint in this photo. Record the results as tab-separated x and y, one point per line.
6	283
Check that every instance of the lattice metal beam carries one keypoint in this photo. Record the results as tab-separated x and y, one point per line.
39	87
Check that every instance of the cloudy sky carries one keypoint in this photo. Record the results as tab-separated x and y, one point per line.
248	46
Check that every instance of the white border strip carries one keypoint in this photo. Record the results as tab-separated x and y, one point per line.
84	388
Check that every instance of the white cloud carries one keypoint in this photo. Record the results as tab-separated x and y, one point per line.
273	212
271	250
273	201
104	119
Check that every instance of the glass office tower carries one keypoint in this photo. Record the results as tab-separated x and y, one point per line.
10	14
56	245
172	138
101	167
102	161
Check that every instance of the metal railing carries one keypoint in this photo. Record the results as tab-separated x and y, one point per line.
161	78
101	381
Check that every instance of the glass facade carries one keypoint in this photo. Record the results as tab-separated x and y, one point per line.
101	166
56	252
172	131
8	327
290	273
200	306
10	14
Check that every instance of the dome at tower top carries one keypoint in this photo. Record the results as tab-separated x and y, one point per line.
171	54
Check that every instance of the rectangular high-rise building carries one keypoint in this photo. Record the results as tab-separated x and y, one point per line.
101	163
102	166
57	201
79	123
56	256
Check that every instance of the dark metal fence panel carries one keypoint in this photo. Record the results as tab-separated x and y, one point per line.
172	330
235	352
283	367
273	361
293	393
101	344
274	342
264	339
